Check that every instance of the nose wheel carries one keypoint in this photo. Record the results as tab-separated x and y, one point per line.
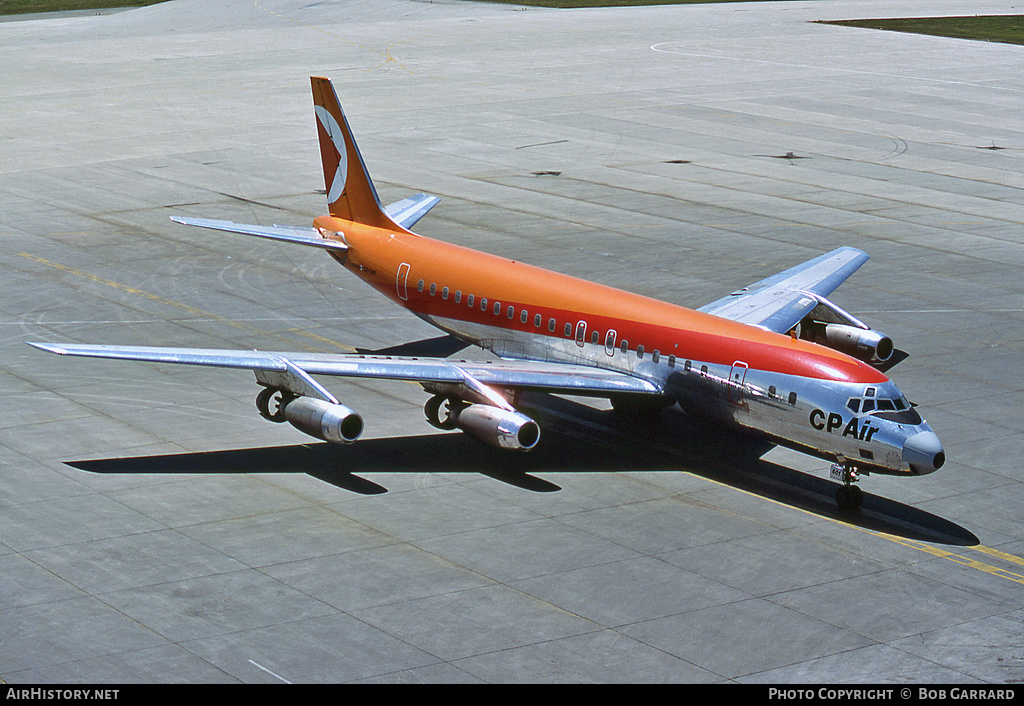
848	496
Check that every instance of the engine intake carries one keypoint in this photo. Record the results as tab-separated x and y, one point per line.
506	429
335	423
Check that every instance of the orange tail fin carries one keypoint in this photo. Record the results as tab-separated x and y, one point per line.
350	191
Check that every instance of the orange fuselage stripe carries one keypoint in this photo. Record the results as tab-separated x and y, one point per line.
375	255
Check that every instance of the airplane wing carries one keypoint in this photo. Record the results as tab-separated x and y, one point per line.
779	302
520	375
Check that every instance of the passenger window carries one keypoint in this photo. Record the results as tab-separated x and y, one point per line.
792	399
419	286
655	356
469	301
671	361
595	337
772	391
512	312
444	293
537	319
639	352
703	371
497	308
483	303
458	296
568	329
551	325
624	346
687	366
433	289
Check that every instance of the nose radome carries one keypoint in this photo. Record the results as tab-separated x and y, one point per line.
923	452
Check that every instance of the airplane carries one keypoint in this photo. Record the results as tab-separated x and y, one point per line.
776	358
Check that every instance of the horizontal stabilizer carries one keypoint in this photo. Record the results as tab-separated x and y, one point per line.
287	234
407	211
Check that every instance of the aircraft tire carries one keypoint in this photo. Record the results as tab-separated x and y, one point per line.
849	498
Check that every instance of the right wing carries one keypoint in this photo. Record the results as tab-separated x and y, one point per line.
779	302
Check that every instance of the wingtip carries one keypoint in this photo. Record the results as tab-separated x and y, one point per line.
48	347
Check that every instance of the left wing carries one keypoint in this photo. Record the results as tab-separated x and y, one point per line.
519	375
781	301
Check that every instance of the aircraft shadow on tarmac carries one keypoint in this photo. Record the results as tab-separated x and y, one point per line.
577	439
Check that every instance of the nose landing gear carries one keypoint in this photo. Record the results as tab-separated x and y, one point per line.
848	495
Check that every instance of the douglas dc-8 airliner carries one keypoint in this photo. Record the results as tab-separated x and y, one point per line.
776	358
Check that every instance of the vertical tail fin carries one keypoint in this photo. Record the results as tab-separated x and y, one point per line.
350	192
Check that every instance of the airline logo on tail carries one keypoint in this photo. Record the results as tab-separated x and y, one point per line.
350	192
336	183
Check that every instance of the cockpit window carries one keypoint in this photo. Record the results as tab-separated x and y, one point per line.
907	416
893	409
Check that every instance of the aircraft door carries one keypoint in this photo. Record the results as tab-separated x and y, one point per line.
737	376
401	279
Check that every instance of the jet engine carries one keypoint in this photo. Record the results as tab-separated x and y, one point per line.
504	428
499	427
828	325
335	423
324	420
864	344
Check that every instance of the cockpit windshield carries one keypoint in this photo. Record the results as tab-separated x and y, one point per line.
895	409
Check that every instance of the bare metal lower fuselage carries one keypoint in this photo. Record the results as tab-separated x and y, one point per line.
811	415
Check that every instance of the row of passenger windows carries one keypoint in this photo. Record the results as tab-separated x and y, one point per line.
581	330
538	321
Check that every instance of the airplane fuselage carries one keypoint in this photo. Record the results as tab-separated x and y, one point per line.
795	392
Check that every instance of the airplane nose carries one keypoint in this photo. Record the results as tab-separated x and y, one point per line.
923	452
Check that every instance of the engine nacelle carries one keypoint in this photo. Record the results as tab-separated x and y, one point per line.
865	344
335	423
506	429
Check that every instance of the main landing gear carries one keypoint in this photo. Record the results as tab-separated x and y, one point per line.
848	495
